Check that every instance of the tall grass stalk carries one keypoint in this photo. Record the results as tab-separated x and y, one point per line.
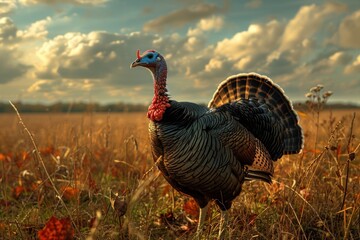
351	157
37	152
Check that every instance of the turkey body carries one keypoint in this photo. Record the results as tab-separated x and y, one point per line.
195	160
204	151
208	152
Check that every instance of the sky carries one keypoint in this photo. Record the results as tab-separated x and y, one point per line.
81	50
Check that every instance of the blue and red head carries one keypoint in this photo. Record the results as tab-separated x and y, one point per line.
149	59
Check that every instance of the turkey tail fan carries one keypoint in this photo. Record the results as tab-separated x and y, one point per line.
262	88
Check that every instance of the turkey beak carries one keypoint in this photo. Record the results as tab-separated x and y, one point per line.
136	63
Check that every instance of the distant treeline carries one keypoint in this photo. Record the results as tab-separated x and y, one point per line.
303	106
117	107
72	107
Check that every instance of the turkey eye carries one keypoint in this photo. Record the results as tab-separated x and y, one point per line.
150	56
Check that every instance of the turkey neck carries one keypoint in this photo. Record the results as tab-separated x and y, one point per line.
161	99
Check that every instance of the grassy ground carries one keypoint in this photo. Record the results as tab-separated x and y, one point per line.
95	174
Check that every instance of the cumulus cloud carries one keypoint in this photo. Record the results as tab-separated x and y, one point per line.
329	62
354	67
16	52
10	34
10	67
213	23
78	2
349	31
79	56
36	30
98	63
248	46
8	30
206	24
214	64
102	60
7	6
279	49
306	23
339	58
196	37
179	18
96	55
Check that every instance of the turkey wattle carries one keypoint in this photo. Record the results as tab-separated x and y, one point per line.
208	152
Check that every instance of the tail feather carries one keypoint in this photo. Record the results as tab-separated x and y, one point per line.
258	175
262	88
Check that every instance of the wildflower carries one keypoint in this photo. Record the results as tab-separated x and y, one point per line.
309	95
317	89
327	94
313	89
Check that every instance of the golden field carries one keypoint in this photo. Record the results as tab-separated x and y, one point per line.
94	173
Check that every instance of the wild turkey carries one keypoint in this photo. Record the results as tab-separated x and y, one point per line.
208	152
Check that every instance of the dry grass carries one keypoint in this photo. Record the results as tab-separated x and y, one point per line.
99	173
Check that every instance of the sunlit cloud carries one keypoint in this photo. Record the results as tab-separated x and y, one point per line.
7	6
306	23
36	30
10	67
354	67
180	17
349	31
8	30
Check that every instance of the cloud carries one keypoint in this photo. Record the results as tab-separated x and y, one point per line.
101	59
77	2
286	51
349	31
247	46
196	37
306	23
179	18
279	65
253	3
206	24
214	64
36	30
7	6
213	23
75	65
327	63
354	67
79	56
339	58
10	67
53	90
10	34
40	85
99	55
8	30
